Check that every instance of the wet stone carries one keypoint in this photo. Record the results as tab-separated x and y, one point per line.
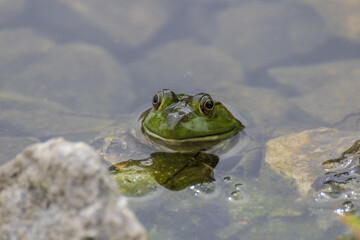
64	188
300	156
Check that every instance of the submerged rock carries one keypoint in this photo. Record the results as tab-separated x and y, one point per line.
327	91
341	18
65	190
272	113
128	23
10	9
260	33
189	66
300	156
26	116
64	73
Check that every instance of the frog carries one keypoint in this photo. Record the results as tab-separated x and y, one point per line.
178	135
186	123
175	123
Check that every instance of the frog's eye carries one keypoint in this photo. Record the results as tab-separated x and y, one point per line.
157	99
207	105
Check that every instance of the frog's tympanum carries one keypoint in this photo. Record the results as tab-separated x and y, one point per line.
184	123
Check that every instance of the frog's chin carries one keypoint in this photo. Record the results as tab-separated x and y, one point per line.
193	144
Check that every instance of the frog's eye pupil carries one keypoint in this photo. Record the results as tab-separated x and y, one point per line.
209	104
156	98
157	101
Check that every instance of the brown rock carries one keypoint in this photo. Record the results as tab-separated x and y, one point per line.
300	156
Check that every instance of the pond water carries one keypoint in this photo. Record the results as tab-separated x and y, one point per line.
291	69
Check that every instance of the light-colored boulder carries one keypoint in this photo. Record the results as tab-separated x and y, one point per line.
61	190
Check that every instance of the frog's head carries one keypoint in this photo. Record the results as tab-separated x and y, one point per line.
188	123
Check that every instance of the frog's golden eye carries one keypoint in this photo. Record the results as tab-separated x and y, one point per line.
157	99
207	105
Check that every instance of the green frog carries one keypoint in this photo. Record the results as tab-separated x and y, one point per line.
175	123
183	123
180	127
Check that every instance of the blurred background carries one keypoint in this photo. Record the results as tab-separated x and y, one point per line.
69	67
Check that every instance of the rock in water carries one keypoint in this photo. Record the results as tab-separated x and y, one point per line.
301	156
61	190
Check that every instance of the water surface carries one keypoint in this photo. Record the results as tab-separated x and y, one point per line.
68	68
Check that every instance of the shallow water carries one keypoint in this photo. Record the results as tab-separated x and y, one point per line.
68	68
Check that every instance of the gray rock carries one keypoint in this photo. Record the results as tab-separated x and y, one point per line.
60	190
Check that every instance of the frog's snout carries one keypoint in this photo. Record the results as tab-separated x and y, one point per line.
174	119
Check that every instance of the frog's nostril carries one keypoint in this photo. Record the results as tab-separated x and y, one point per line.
185	118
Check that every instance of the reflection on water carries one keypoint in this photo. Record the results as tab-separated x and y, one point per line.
174	171
68	67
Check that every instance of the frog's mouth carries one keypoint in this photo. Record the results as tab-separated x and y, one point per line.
205	138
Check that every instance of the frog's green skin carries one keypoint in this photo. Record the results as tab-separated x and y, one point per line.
184	123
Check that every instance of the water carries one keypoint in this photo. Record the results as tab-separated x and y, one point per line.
70	67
